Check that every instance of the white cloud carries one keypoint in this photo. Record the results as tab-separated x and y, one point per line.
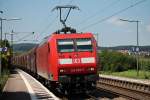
116	21
148	28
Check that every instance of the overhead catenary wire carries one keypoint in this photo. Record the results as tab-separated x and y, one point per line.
47	27
44	29
114	14
24	37
50	24
102	10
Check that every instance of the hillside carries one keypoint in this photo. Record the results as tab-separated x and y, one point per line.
23	47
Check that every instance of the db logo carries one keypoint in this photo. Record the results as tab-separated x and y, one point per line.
77	60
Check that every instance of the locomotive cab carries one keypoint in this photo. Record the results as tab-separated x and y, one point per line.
77	62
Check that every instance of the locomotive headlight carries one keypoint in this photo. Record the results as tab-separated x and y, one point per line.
91	69
61	70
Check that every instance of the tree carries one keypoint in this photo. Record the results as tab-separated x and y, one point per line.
5	54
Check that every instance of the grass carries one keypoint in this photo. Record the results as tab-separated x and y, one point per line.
3	79
130	74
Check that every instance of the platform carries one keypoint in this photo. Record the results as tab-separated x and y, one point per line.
22	86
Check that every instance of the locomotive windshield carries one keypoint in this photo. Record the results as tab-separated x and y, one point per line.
71	45
84	45
65	45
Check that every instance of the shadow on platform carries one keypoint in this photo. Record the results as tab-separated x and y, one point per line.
15	96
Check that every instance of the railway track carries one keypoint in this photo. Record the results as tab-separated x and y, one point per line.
101	94
128	88
98	94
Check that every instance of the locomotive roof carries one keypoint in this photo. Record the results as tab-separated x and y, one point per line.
61	36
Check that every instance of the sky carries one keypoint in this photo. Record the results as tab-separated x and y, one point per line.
96	16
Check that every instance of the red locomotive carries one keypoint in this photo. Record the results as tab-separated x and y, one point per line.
67	60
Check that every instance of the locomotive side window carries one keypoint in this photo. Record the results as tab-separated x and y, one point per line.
84	44
65	45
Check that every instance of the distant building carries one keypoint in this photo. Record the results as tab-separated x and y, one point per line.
124	51
129	52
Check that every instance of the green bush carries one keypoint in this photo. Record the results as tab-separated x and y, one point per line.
3	78
115	62
147	65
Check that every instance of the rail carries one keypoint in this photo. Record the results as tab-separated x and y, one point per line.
130	88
